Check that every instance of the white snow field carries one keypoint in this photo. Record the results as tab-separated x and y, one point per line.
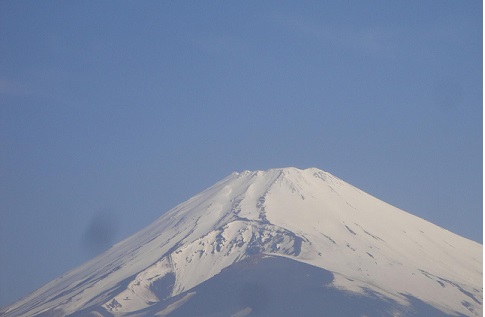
309	216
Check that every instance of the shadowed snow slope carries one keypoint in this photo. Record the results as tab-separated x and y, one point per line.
367	248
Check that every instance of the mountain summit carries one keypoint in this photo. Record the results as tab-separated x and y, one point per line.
262	243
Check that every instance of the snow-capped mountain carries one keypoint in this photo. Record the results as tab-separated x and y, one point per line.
299	229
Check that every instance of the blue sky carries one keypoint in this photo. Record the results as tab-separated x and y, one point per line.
111	113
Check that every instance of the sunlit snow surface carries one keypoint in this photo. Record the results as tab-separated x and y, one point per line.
306	215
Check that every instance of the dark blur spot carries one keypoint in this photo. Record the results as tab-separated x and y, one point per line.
100	232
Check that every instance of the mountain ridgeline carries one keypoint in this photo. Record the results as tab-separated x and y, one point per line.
282	242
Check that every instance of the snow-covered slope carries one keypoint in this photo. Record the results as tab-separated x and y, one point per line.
306	215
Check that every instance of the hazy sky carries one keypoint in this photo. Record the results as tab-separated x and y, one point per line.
113	112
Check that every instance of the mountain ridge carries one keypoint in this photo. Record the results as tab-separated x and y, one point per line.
306	215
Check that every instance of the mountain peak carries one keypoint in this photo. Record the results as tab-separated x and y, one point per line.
306	215
292	176
282	171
